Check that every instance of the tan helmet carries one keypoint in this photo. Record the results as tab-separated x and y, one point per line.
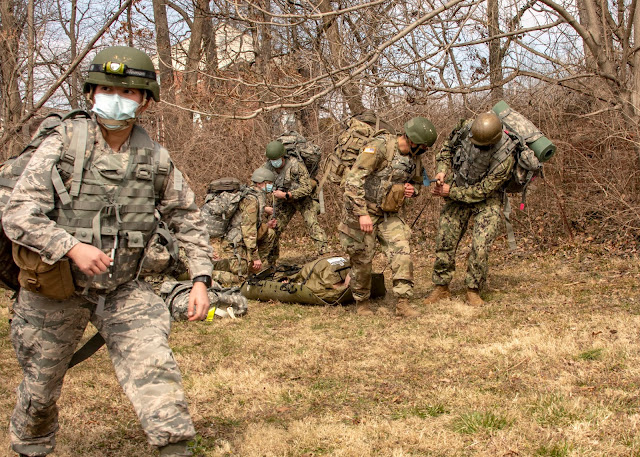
486	129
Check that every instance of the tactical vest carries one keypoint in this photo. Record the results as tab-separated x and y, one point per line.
111	201
234	233
471	164
398	169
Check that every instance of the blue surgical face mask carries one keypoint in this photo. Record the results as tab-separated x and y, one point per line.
114	107
269	188
276	163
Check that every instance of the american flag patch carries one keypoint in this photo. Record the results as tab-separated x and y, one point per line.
369	150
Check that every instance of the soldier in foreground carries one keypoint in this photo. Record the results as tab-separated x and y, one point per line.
471	168
79	228
293	191
374	191
249	236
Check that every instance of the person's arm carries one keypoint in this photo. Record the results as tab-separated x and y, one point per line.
178	208
25	219
444	158
300	175
354	195
486	186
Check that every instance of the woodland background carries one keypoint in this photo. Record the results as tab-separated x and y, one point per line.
572	67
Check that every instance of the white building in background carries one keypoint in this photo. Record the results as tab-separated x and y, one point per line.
232	45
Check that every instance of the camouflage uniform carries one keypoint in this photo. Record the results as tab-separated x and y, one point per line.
365	185
293	177
132	319
248	239
176	297
479	196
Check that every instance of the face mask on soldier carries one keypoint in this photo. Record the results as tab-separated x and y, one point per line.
276	163
268	188
114	107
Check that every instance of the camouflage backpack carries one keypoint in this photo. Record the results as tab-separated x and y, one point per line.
308	153
221	203
11	170
360	130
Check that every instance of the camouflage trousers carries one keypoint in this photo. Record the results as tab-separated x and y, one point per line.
233	264
393	234
135	324
309	209
454	220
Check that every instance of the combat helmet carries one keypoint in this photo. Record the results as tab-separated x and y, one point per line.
261	175
123	66
486	129
420	130
275	150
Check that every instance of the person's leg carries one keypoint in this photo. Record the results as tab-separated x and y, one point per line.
283	214
360	247
309	208
453	223
394	237
485	229
45	334
135	324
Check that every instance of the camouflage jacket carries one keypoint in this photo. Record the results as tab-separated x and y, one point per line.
373	173
490	181
292	177
27	221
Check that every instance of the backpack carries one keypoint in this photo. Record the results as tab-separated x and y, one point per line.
221	203
533	149
348	145
10	171
308	153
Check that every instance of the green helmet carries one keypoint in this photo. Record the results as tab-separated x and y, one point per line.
263	174
486	129
275	150
420	130
122	66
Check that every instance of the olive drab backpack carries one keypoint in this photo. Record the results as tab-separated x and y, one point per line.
297	146
349	144
221	203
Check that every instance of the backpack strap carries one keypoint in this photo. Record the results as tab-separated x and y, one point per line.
74	151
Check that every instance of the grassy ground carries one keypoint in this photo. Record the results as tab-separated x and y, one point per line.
549	367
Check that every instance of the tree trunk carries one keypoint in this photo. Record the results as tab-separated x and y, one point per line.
75	79
163	44
350	90
495	51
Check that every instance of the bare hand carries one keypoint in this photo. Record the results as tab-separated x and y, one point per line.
268	210
89	259
198	302
271	223
408	190
256	265
279	194
366	224
440	178
441	190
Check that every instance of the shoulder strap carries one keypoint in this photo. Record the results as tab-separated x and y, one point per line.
162	163
74	151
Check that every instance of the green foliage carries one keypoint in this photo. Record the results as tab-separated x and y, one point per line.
477	421
591	354
554	450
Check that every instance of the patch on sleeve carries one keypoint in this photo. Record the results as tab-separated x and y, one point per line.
369	150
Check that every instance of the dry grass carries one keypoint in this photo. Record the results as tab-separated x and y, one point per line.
549	367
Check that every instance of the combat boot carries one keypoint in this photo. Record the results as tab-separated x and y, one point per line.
363	308
404	309
440	292
179	449
473	297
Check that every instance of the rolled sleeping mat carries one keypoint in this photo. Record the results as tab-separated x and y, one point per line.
542	146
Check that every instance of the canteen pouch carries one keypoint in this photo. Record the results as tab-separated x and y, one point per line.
392	202
52	281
